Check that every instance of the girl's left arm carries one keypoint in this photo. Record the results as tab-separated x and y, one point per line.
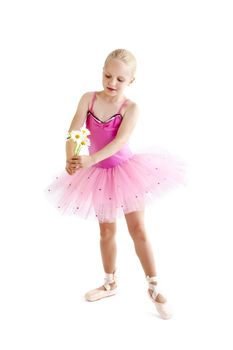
125	130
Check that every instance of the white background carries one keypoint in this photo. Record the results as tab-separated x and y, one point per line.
51	53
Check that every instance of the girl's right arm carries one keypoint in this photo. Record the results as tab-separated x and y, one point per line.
76	124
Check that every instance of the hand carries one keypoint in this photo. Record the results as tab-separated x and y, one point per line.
70	167
77	162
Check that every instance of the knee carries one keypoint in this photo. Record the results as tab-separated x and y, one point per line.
138	233
107	233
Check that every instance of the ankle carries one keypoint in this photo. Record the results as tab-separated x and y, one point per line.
154	283
110	280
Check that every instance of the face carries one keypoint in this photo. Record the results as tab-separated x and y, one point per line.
116	77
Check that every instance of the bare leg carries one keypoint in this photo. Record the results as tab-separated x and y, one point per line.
108	248
136	228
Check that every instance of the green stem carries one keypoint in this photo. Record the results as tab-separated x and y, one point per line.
77	149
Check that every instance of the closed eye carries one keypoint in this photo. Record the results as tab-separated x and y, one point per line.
108	76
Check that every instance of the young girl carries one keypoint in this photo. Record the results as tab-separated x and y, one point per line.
112	180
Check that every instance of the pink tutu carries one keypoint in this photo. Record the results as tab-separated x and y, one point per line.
105	194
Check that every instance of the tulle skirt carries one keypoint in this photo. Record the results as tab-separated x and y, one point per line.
105	194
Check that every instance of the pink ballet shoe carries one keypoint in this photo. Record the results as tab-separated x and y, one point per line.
97	293
163	309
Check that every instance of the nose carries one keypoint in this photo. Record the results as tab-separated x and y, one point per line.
112	82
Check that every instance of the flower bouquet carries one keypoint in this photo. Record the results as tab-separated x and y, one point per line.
80	138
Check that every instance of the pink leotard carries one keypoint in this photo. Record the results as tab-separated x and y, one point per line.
103	132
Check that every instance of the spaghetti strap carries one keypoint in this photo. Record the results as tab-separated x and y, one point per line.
92	101
124	103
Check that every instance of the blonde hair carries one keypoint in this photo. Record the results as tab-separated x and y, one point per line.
125	56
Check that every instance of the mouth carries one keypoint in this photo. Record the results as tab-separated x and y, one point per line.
110	89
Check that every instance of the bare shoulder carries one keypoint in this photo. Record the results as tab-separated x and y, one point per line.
132	108
85	101
81	111
86	98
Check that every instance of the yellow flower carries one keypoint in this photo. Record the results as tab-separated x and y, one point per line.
80	138
76	136
85	131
